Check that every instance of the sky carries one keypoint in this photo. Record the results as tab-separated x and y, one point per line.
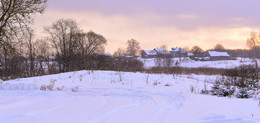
175	23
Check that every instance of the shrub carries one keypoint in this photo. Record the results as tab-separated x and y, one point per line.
222	91
243	76
215	90
244	93
182	70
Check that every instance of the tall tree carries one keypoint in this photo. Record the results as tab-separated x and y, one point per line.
252	42
62	35
163	46
30	45
18	14
95	43
119	52
196	50
219	47
71	43
133	47
43	52
15	16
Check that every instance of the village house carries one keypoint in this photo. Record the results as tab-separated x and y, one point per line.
216	55
191	55
149	54
161	52
156	52
178	52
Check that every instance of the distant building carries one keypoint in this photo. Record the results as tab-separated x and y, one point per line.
52	57
149	54
105	54
216	55
191	55
161	52
178	52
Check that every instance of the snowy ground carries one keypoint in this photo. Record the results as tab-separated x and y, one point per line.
186	62
107	96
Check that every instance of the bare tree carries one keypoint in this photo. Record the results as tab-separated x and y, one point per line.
196	50
219	47
81	39
30	45
62	35
95	43
252	42
17	14
119	52
72	45
163	46
43	53
43	48
133	47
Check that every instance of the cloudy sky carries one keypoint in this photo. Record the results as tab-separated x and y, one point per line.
181	23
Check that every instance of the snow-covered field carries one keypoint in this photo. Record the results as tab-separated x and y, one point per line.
186	62
120	97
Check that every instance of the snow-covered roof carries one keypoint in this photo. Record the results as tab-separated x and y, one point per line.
216	53
181	50
190	54
52	57
161	51
150	52
105	54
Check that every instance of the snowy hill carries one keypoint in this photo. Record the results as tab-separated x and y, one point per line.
122	97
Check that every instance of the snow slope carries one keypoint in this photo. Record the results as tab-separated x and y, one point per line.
107	96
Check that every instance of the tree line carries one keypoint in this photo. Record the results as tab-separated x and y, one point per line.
65	48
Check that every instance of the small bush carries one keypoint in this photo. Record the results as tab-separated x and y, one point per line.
215	89
244	93
244	76
222	91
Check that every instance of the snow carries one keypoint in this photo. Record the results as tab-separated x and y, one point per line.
52	57
190	54
186	62
216	53
179	49
105	54
161	51
108	96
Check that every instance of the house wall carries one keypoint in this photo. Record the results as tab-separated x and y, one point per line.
220	58
143	54
178	54
164	56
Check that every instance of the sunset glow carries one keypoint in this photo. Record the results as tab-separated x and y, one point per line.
154	23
